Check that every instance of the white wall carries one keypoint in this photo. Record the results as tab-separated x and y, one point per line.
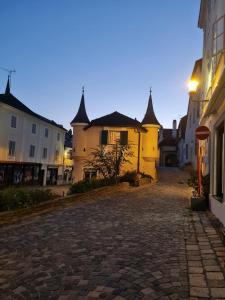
24	137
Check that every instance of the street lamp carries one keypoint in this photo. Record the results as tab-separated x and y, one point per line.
193	85
201	133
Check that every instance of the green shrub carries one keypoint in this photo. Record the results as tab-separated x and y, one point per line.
88	185
129	176
193	182
15	198
206	185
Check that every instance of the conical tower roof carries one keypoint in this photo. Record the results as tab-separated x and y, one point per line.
7	89
150	117
81	116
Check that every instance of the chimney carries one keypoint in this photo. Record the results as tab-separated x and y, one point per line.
174	124
174	130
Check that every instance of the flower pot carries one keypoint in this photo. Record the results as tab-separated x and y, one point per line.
198	203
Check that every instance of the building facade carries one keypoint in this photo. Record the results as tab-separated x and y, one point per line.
193	115
31	146
115	128
181	154
212	111
68	160
168	146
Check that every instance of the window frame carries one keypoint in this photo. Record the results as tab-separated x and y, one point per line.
34	128
13	152
45	153
46	132
13	122
215	37
32	151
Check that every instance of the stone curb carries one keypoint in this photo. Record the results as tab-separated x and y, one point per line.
76	197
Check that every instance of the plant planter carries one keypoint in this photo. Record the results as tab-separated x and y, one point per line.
198	203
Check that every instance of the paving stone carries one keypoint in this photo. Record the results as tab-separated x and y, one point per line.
199	292
195	270
215	275
218	292
142	243
198	281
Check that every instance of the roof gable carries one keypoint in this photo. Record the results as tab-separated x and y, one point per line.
12	101
115	119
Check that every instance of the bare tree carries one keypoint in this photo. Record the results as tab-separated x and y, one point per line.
108	160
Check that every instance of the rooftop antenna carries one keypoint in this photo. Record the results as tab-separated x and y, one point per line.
9	73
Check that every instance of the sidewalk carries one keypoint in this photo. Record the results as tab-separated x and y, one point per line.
205	257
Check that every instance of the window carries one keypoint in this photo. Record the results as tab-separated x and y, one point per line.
90	173
32	151
218	42
13	121
56	155
219	172
46	132
114	137
58	136
12	148
34	128
45	153
186	150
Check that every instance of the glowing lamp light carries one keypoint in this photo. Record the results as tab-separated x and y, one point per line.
192	85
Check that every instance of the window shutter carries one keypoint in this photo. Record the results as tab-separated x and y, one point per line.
123	138
104	137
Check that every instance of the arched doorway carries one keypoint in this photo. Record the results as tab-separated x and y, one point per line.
171	160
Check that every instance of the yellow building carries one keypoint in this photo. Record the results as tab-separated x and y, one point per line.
142	137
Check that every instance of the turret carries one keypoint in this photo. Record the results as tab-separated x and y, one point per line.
79	122
150	152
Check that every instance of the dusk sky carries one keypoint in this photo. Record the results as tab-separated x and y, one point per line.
117	49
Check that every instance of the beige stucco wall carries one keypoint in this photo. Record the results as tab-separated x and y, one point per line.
84	141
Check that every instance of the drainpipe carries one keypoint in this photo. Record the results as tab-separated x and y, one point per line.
139	144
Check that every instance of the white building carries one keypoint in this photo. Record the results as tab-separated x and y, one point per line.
31	146
168	142
181	154
212	21
193	118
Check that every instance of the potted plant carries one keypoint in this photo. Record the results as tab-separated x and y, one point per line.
199	201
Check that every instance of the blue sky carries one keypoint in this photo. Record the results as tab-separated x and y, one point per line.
117	49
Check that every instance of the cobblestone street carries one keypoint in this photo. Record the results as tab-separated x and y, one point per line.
143	243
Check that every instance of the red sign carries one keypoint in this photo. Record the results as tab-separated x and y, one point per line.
202	132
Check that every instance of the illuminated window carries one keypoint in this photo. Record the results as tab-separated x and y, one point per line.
114	137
